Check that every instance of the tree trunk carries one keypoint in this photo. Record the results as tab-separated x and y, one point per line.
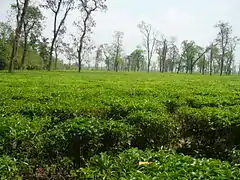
56	31
164	54
160	63
56	58
80	49
203	68
24	53
17	34
14	53
116	58
222	63
79	60
211	61
173	62
229	66
222	57
51	53
179	66
108	65
148	66
191	66
230	62
116	67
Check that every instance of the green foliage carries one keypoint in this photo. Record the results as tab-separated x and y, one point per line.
155	130
33	60
164	165
213	131
136	60
3	64
8	168
58	121
5	48
82	138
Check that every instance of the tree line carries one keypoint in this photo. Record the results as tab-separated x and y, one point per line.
26	39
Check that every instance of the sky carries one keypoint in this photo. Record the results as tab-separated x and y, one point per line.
183	19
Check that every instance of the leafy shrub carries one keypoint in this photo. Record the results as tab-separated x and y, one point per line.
153	130
56	121
172	105
164	165
82	138
212	132
213	101
8	168
19	135
2	64
234	157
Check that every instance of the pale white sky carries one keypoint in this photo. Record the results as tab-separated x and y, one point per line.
184	19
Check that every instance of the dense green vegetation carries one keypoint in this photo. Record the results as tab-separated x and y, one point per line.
55	122
161	165
33	59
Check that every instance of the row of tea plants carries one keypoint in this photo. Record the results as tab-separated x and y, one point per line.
69	125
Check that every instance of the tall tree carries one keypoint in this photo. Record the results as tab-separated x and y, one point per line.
69	53
173	53
117	45
87	47
192	53
43	50
200	52
230	54
99	56
202	64
20	16
136	60
211	60
159	50
58	47
149	38
5	39
85	25
186	46
223	37
164	54
189	56
108	53
56	6
162	50
32	24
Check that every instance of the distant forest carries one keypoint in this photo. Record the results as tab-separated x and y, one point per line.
23	45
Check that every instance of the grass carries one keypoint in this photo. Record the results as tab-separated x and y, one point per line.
58	121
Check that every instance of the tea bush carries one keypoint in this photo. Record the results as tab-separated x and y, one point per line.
82	138
162	165
214	132
54	122
154	130
8	168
